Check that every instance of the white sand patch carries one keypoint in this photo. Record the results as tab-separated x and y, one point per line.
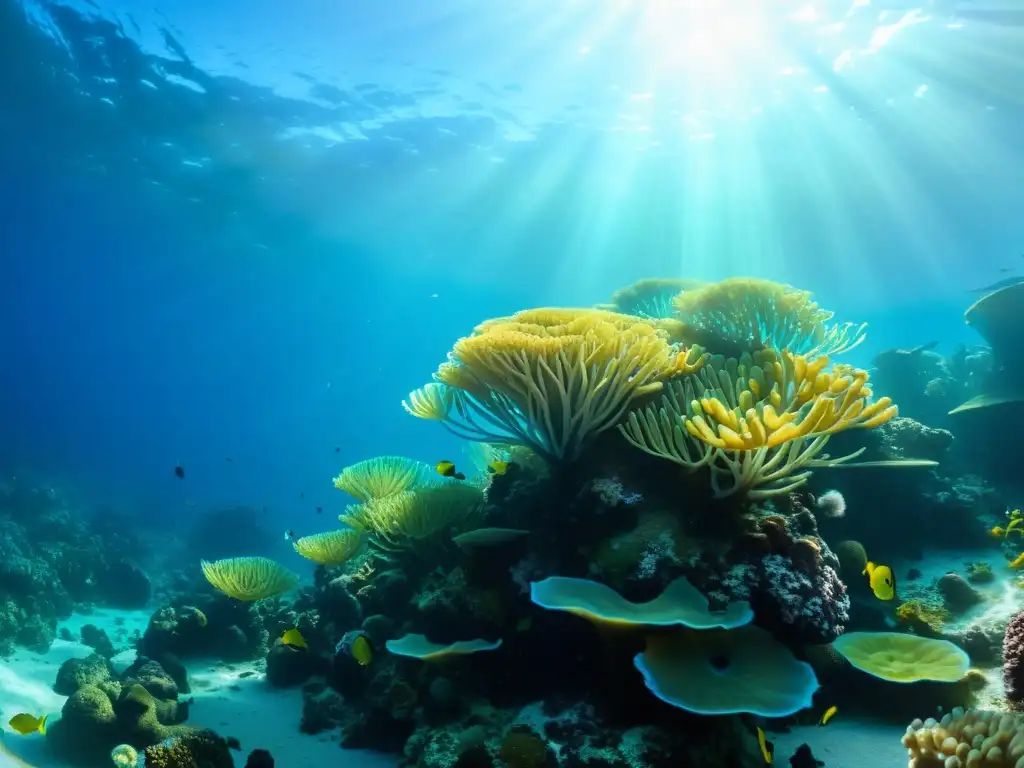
233	700
845	744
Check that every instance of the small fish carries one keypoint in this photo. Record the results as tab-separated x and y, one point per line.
179	472
767	747
829	714
498	467
997	532
302	494
26	724
337	449
294	639
1018	563
319	510
229	459
289	535
882	581
447	469
362	651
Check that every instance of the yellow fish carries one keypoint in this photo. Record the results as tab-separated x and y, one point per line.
498	467
882	581
362	651
26	724
997	532
767	747
294	639
447	469
829	714
1018	563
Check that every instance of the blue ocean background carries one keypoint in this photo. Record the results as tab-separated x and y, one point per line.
234	237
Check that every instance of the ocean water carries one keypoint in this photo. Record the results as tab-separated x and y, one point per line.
233	237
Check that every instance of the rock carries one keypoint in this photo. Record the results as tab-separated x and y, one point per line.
98	640
125	585
77	673
957	594
259	758
151	676
293	666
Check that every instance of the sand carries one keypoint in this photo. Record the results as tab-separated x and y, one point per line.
234	700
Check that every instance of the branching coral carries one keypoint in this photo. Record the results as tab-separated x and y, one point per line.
249	578
404	519
760	422
762	313
381	476
549	379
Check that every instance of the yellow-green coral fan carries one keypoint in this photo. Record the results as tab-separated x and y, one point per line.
381	476
405	519
903	658
760	422
760	313
249	578
330	547
551	379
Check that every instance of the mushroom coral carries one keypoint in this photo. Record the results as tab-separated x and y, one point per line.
419	647
710	663
550	379
903	658
680	604
718	672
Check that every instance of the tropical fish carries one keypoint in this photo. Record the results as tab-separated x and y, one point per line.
767	747
357	645
179	472
26	724
294	639
447	469
828	715
362	651
997	532
882	581
498	467
1018	563
289	535
319	510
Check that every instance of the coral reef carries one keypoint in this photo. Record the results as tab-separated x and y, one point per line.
138	709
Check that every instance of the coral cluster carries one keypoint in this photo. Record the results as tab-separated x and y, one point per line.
966	739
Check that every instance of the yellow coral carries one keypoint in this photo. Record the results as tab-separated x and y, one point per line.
551	379
764	313
405	519
329	548
760	422
381	476
249	578
966	739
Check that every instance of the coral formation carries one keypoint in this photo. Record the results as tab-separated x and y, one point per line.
966	739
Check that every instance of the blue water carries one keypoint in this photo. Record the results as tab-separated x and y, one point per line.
245	232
